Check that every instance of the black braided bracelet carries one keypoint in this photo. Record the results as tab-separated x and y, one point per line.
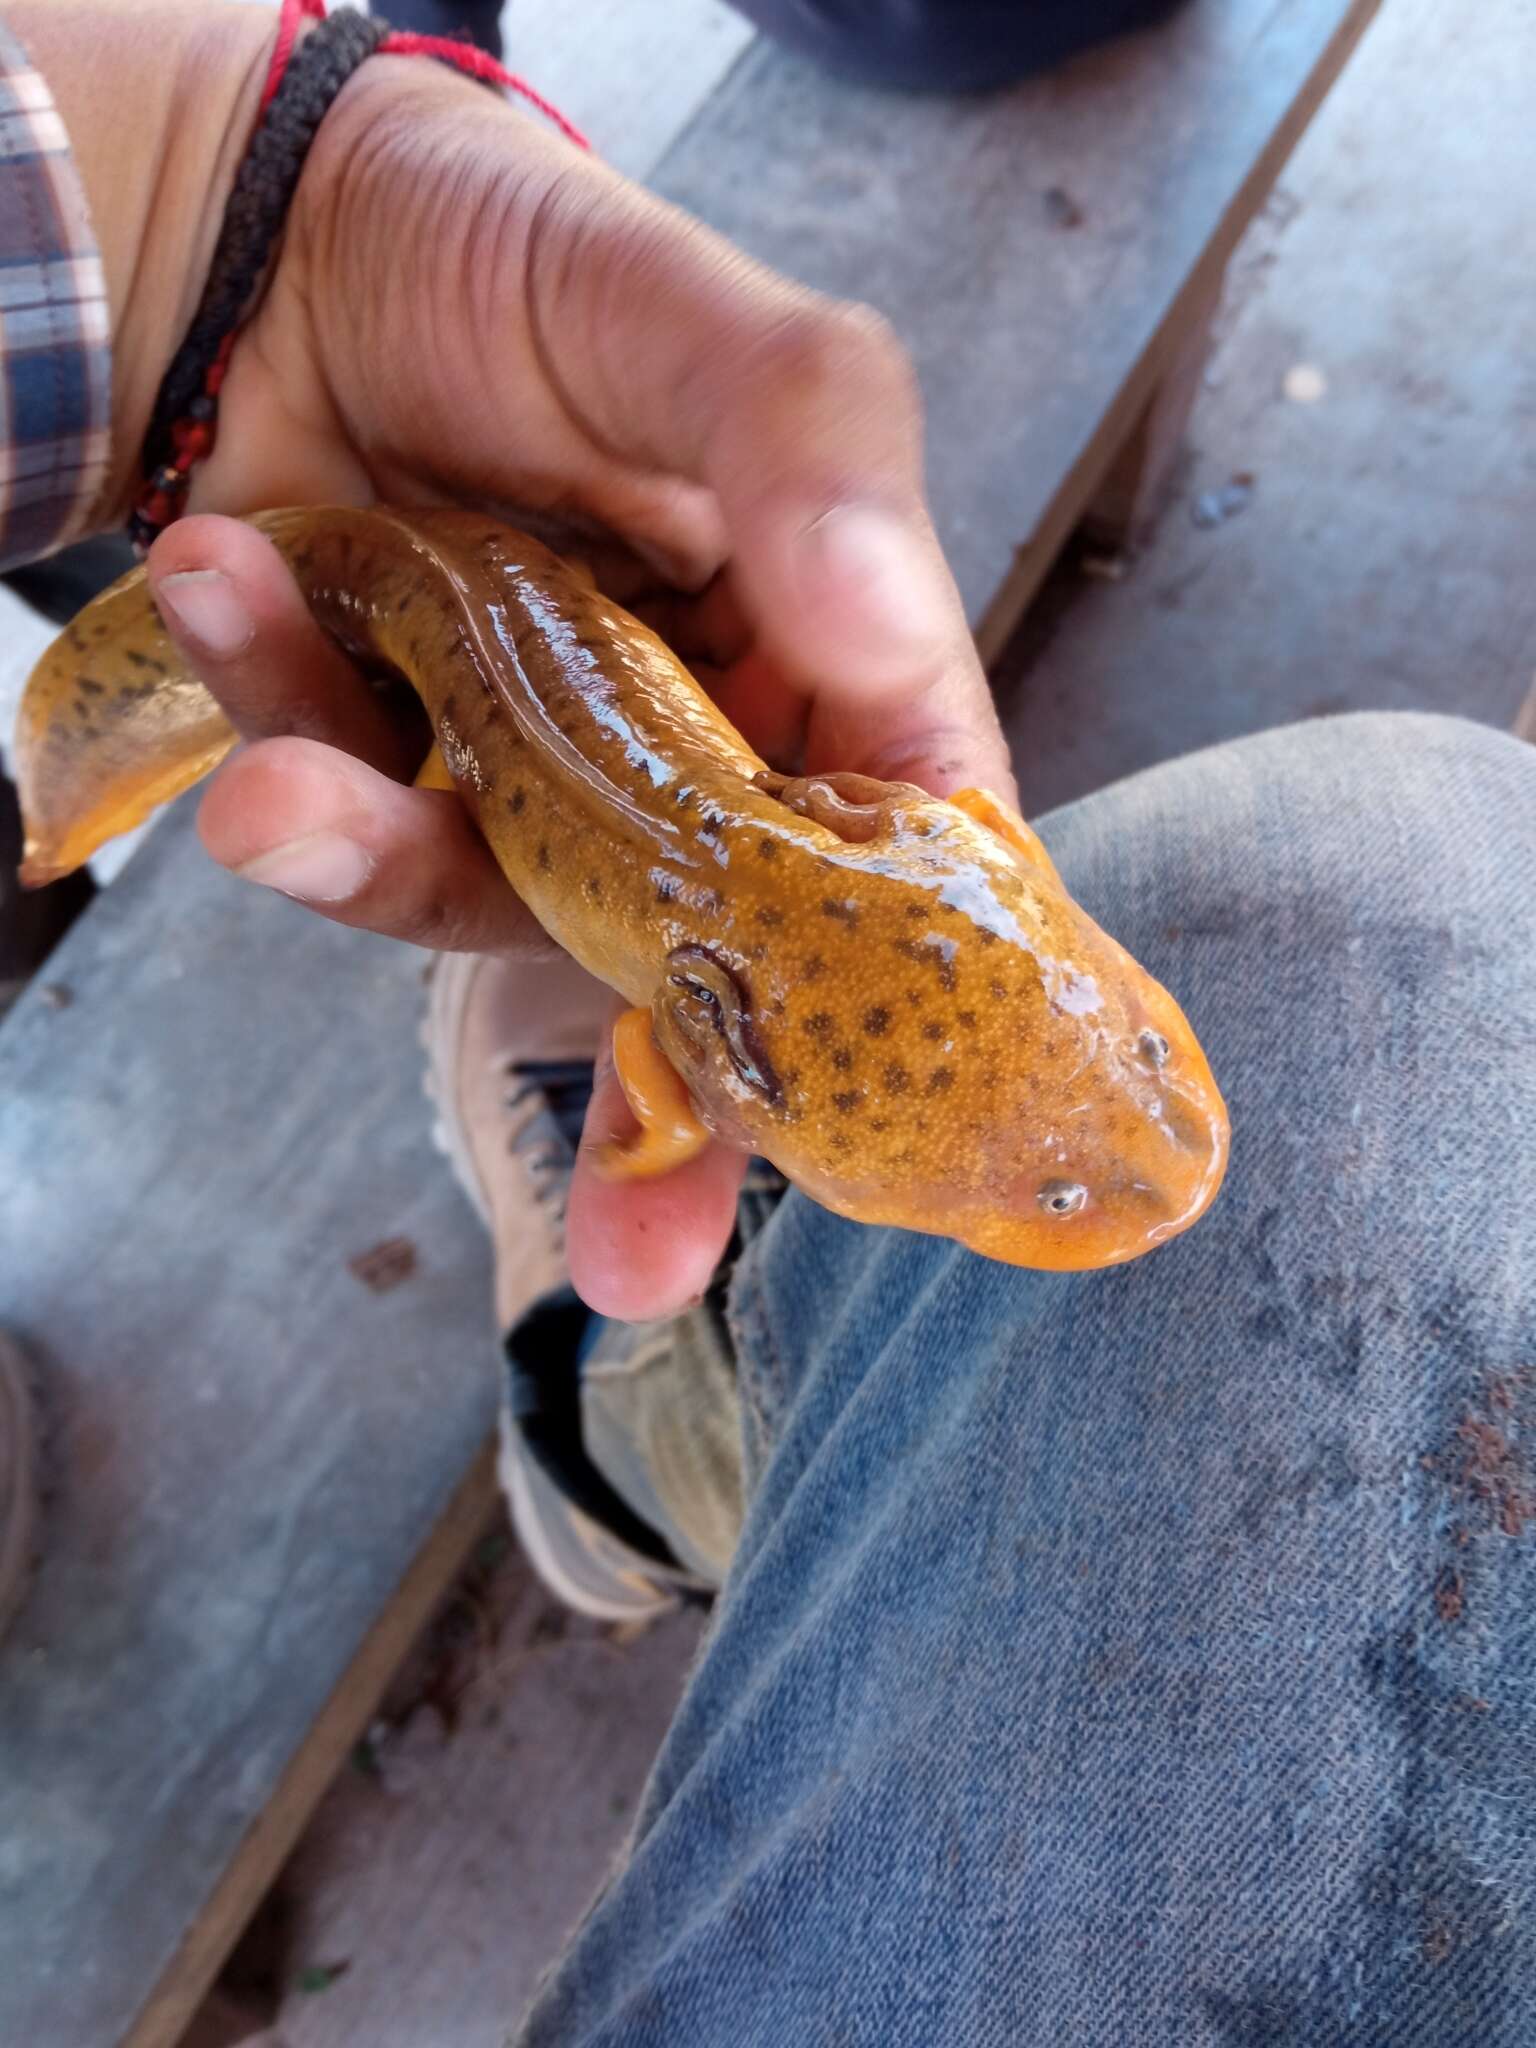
181	427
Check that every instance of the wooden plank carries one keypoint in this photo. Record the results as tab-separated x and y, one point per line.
1038	345
255	1457
342	1720
1133	491
635	73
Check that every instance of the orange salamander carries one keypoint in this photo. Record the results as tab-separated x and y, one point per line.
888	995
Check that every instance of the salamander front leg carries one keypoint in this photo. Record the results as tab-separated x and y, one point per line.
670	1133
995	815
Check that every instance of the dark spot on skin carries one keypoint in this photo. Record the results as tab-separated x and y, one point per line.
595	888
914	1000
770	917
849	1098
990	1079
941	1080
839	1143
845	912
968	1019
985	937
792	1078
768	848
918	910
933	1030
817	1025
879	1123
544	860
516	801
999	991
920	1125
897	1079
904	1158
877	1021
814	968
842	1059
91	687
141	661
776	1007
932	954
404	605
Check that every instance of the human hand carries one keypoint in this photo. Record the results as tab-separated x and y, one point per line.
575	347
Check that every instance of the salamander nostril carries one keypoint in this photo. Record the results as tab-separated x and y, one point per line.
1062	1197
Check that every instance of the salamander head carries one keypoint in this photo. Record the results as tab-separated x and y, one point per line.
941	1040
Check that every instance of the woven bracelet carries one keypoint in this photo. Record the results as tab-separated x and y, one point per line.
302	85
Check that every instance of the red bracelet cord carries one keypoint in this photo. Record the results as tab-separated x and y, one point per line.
463	56
193	437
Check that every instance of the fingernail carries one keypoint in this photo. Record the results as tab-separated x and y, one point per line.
203	603
323	867
863	556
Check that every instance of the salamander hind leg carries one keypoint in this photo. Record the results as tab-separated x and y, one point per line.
670	1133
434	772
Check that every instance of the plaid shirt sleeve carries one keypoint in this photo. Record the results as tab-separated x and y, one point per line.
55	347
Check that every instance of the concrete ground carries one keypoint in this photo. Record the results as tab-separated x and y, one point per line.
1381	557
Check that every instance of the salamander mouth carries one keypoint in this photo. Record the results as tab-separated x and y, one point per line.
713	1005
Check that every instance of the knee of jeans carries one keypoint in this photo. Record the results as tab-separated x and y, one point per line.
1414	813
1293	844
949	45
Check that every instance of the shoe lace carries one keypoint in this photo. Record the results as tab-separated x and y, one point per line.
562	1089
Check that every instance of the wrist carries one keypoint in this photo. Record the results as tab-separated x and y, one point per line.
159	100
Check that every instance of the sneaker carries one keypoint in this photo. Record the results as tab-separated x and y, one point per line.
510	1048
18	1481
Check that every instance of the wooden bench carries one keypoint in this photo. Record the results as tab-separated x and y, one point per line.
267	1470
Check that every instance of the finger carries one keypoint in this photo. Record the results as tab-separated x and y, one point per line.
234	610
710	627
768	712
640	1250
331	832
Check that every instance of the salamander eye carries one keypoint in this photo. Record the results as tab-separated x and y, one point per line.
1062	1197
711	1004
1153	1048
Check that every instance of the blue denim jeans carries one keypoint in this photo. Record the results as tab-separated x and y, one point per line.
1147	1659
